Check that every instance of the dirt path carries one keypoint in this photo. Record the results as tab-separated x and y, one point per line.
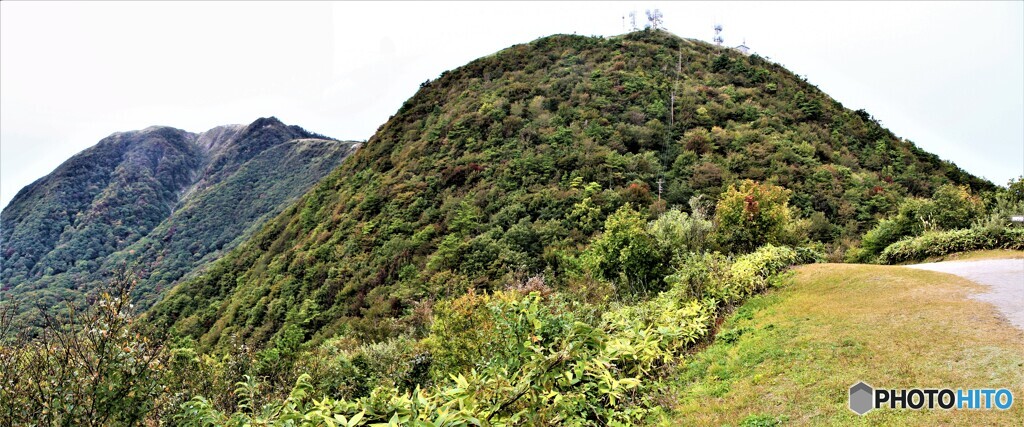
1003	277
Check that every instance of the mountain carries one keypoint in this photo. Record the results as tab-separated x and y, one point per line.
161	201
507	167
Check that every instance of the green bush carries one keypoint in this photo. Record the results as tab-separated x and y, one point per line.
910	220
954	207
951	207
815	252
458	333
752	273
701	276
752	214
712	277
937	243
627	254
678	233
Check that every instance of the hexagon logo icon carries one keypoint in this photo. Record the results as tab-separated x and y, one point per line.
862	398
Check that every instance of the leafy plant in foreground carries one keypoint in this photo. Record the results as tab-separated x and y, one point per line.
530	361
97	367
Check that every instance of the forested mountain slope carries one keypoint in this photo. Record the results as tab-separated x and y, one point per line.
96	202
508	166
161	201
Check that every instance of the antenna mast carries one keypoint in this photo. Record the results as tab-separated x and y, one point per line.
718	34
655	20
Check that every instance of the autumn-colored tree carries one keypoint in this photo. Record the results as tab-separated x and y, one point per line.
751	214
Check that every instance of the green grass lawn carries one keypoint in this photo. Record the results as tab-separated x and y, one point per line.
787	357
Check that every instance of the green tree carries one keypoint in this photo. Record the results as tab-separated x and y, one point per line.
1003	205
752	214
1015	189
954	207
678	233
912	218
809	107
627	254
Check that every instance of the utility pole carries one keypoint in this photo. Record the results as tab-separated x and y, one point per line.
660	181
675	85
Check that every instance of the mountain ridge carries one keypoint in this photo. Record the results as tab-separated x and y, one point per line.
113	195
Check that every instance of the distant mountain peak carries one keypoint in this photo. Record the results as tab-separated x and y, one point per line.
168	199
272	127
216	137
157	128
263	122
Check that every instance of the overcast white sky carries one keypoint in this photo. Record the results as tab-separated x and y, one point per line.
948	76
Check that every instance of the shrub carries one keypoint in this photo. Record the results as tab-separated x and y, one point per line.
954	207
94	368
627	254
938	243
458	333
711	277
751	273
701	276
820	229
951	207
885	233
214	375
815	252
752	214
678	233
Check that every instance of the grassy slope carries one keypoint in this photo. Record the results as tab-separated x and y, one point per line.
791	354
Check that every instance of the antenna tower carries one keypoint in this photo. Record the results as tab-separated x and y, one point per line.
718	34
655	20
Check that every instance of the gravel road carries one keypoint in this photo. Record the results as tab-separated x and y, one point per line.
1004	277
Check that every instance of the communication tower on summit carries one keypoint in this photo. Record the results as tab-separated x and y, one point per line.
655	20
718	34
